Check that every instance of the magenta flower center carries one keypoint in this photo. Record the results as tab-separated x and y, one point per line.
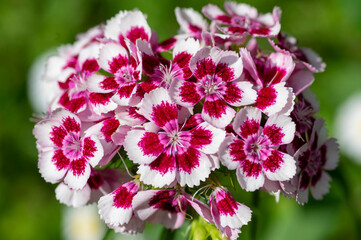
72	146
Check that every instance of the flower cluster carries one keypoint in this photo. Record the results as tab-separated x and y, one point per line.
217	103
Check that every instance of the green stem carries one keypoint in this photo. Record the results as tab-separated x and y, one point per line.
254	222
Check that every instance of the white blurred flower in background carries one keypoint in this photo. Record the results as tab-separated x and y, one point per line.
82	223
348	127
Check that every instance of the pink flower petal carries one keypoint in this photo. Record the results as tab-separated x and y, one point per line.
250	66
279	166
101	102
143	147
206	138
113	57
78	174
190	21
300	80
53	165
229	65
102	84
185	93
278	68
92	150
247	122
322	186
159	173
71	197
272	100
250	183
239	94
231	213
279	129
216	112
158	107
116	208
193	167
213	12
232	153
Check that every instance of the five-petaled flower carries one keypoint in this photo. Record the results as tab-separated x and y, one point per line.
253	153
65	153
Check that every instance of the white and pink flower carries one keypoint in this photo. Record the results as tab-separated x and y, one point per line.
253	153
270	76
171	153
229	216
166	207
242	19
216	72
65	153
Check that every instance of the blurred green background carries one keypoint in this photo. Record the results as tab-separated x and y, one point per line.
28	28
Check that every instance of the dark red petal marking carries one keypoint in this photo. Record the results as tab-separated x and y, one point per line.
68	83
71	125
188	93
89	147
182	60
200	136
224	72
147	86
194	28
316	178
137	32
251	169
61	162
78	166
167	44
95	181
303	159
57	135
100	98
163	164
273	162
164	200
122	198
193	121
226	206
109	127
236	29
125	91
164	113
90	66
274	134
117	63
204	67
305	180
236	150
150	144
132	111
109	83
149	63
224	19
249	127
232	94
188	160
260	31
72	105
215	109
71	62
133	62
266	97
274	75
